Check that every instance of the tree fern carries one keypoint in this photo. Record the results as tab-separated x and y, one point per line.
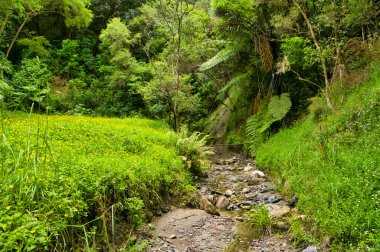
279	106
258	124
220	57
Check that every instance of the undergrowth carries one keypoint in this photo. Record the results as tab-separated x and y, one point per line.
74	182
332	163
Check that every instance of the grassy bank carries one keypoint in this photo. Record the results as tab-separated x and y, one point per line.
332	163
69	181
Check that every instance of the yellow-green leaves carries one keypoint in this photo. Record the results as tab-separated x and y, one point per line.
76	13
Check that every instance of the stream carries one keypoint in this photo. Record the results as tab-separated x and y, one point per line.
231	188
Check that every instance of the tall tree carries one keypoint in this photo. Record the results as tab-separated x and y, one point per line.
75	13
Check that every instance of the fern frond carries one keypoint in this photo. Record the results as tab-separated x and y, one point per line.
220	57
258	124
279	106
237	81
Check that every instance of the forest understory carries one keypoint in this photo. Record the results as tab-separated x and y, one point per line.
109	110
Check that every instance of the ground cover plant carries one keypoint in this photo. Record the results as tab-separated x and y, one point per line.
74	181
332	163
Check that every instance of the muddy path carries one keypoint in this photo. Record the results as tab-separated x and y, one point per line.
232	187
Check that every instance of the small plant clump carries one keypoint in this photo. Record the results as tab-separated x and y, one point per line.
79	182
259	218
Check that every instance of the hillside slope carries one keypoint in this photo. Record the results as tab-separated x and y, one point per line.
73	181
332	164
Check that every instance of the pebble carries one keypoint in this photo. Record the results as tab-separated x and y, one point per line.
248	167
258	174
246	203
279	212
222	203
229	193
245	190
203	189
180	230
310	249
274	199
254	182
173	236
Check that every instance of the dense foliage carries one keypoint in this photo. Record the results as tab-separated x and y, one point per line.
184	61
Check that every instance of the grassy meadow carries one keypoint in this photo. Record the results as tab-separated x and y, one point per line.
332	163
74	181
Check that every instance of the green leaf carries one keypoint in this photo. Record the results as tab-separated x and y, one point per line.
279	106
220	57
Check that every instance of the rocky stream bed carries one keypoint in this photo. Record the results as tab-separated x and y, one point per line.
231	188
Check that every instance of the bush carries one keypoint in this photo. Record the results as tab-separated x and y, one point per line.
30	85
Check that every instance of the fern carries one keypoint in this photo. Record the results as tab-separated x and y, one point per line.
257	125
235	82
279	106
3	88
220	57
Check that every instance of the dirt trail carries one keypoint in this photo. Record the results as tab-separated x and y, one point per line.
234	185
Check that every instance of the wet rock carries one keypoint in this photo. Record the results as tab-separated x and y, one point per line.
234	179
246	207
180	230
206	205
310	249
281	225
239	218
210	198
256	181
229	168
292	202
231	207
248	167
246	203
274	199
279	212
245	190
203	189
257	174
216	192
229	193
222	203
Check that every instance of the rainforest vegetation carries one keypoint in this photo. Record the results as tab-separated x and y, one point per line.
98	99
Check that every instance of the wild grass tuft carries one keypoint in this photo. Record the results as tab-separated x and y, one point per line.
259	218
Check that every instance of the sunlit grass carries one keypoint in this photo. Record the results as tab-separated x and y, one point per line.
65	179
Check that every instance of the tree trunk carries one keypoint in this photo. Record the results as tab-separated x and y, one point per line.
16	36
326	90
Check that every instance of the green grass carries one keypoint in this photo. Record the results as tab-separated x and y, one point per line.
333	165
68	181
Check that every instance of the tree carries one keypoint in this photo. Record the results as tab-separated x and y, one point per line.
75	13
